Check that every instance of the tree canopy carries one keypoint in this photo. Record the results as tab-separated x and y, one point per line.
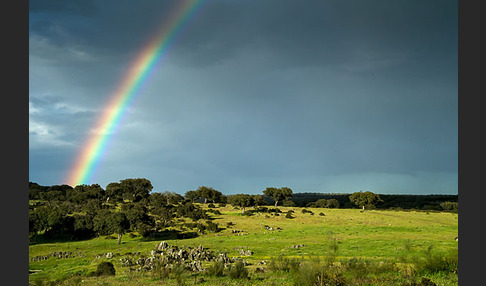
242	200
278	194
365	199
206	193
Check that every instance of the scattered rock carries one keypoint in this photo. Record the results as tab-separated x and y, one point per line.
161	246
245	252
166	256
58	254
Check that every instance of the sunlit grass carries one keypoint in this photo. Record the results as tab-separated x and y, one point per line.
376	235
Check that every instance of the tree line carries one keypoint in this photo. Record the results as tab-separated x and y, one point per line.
86	211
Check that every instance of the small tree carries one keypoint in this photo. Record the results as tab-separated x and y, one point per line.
107	222
321	203
192	195
119	224
136	190
242	200
137	216
363	199
450	206
332	203
208	193
283	193
164	214
114	192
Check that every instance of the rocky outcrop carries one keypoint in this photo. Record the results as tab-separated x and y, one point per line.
164	255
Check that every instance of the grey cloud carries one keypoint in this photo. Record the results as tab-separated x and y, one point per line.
318	96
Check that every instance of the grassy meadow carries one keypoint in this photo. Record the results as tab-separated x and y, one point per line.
372	247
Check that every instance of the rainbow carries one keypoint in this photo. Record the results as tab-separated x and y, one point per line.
139	71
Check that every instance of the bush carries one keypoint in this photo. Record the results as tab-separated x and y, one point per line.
105	268
212	226
216	269
450	206
261	209
274	210
312	273
306	211
211	206
432	262
177	272
289	215
238	270
160	271
321	214
248	213
361	268
282	263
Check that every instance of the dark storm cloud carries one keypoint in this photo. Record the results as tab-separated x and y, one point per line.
322	32
319	95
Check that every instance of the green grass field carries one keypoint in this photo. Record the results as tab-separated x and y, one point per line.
373	237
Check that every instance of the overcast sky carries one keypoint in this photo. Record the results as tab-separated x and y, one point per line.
319	96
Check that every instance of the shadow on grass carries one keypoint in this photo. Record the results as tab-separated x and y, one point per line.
43	238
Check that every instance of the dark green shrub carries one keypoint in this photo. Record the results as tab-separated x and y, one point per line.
289	215
306	211
321	214
238	270
248	213
450	206
105	268
211	206
211	226
200	227
274	210
261	209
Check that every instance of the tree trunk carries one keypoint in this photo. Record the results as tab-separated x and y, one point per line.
363	207
243	211
276	202
205	200
119	238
